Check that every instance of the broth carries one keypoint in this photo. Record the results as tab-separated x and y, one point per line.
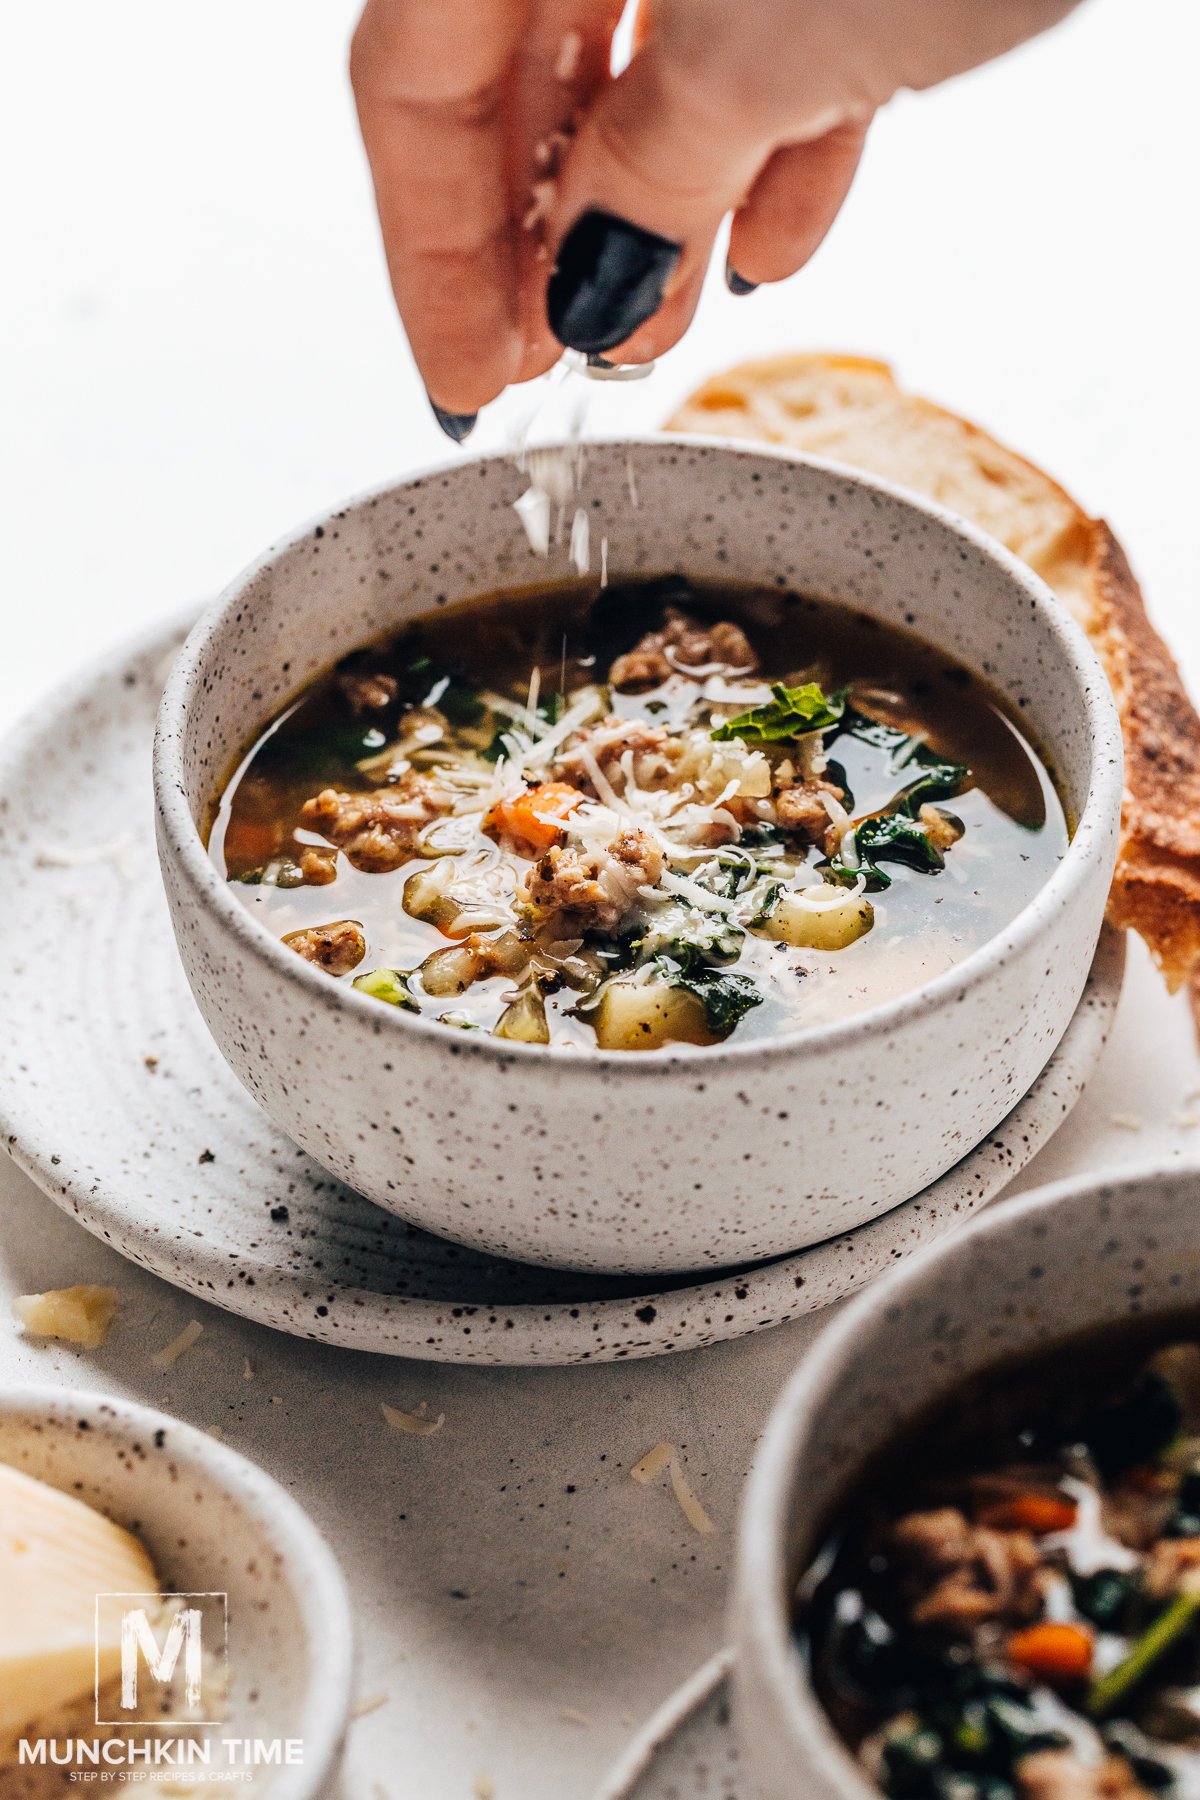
660	812
1006	1607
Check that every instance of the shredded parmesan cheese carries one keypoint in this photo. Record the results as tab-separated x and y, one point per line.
573	1716
699	896
689	1505
649	1467
417	1424
169	1355
1126	1121
121	852
370	1704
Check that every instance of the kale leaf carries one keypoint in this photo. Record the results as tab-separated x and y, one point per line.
791	713
896	834
727	997
938	779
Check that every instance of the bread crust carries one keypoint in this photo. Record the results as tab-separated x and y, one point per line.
851	408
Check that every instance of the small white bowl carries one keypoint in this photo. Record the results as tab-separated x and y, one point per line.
212	1523
675	1159
1069	1258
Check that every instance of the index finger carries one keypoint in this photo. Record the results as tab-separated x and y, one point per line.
429	80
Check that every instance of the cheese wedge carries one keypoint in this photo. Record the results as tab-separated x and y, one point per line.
56	1555
78	1315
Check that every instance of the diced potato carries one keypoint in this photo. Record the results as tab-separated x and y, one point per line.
449	971
646	1015
425	896
830	925
525	1020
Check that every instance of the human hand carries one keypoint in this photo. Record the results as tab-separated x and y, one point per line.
529	201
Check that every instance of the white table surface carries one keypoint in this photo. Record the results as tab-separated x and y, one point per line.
198	350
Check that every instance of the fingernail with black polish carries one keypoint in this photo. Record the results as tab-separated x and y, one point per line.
608	280
455	425
737	284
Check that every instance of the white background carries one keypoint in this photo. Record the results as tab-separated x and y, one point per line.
198	350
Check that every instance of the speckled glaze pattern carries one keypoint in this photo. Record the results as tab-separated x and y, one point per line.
162	1153
212	1522
675	1159
688	1750
1064	1259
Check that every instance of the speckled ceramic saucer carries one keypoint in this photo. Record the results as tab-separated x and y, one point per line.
688	1750
114	1098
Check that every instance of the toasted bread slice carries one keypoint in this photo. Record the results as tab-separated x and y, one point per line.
851	410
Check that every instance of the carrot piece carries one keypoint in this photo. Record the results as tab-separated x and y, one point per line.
1038	1513
526	822
1056	1652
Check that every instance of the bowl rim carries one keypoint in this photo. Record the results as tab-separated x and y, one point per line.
1101	804
760	1611
313	1573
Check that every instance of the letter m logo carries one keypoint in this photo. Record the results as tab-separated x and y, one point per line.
169	1645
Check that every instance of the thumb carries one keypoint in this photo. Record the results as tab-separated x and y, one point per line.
660	158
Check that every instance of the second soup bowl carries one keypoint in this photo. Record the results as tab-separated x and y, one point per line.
1080	1258
678	1158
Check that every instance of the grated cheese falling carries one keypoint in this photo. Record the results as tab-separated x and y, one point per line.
416	1424
533	510
580	551
531	704
166	1358
569	52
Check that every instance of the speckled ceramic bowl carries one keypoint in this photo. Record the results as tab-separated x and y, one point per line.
1065	1259
675	1159
212	1523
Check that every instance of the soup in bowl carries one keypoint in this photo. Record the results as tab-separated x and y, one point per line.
634	923
969	1546
652	813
